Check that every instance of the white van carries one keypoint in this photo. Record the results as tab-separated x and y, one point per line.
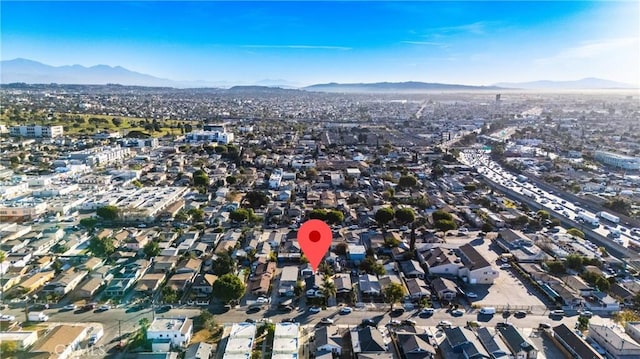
488	310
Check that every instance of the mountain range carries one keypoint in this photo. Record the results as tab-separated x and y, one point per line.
33	72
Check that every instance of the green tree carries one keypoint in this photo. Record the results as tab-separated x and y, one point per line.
196	214
224	264
341	248
239	215
328	288
574	261
407	181
393	293
137	183
542	214
110	213
335	216
228	287
101	247
169	295
487	227
384	215
439	215
575	232
602	284
181	216
256	199
555	267
200	178
370	266
8	349
445	225
619	205
405	215
89	222
298	289
3	257
151	249
231	180
583	323
318	213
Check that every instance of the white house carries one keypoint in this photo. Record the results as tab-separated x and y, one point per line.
178	330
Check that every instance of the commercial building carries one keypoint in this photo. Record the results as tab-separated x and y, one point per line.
618	160
37	131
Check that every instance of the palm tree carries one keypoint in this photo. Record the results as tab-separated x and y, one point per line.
328	288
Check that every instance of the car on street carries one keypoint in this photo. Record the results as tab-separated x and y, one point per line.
457	313
409	322
104	307
288	320
368	323
70	307
505	266
262	300
426	312
326	321
586	314
520	314
544	326
557	313
472	295
314	309
7	318
444	324
345	310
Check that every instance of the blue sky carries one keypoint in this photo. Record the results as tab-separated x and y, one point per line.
315	42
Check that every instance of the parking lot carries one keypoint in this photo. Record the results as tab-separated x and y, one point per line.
507	291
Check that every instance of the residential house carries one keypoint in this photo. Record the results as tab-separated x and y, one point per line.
136	243
356	253
60	342
180	281
203	283
150	282
288	280
367	340
412	269
36	281
343	284
164	264
463	343
617	342
441	262
476	270
492	342
417	288
415	346
520	347
602	303
192	265
178	330
625	291
65	283
369	285
89	288
577	347
445	289
328	339
199	350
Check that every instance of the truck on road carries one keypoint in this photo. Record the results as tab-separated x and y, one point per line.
37	317
609	217
588	219
522	178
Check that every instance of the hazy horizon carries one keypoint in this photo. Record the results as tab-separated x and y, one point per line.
302	43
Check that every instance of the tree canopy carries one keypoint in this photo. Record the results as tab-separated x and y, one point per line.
445	225
101	247
256	199
405	215
370	266
200	178
393	293
575	232
110	213
438	215
223	264
407	181
151	249
384	215
228	287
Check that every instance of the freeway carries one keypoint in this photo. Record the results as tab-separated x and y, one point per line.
552	203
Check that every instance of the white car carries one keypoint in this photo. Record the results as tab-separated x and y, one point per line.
427	311
472	295
346	310
7	318
394	322
326	321
444	324
70	307
314	309
262	300
104	307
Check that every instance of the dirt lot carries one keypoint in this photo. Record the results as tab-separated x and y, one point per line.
507	291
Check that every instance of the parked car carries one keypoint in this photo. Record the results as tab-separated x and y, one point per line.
557	313
409	322
472	295
314	309
444	324
394	322
368	323
544	326
586	314
70	307
326	321
426	312
7	318
346	310
457	313
104	307
520	314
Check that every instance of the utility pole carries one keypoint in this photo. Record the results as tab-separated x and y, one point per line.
119	329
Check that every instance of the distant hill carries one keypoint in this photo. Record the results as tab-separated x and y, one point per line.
33	72
410	86
583	84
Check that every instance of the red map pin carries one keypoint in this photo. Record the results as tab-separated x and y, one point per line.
315	238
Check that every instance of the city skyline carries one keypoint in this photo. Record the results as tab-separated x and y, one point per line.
302	43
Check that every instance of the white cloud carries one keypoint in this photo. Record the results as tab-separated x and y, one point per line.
592	49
